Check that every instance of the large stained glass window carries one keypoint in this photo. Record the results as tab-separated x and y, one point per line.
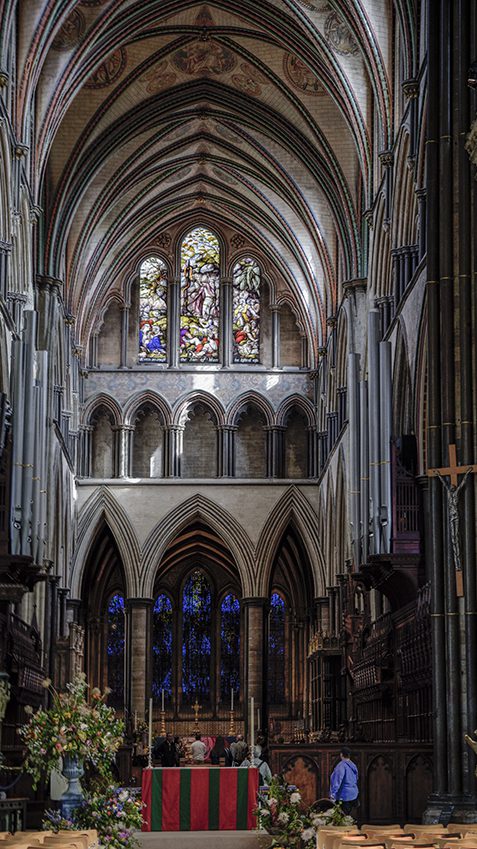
153	311
229	647
200	277
162	647
246	311
276	650
196	638
115	650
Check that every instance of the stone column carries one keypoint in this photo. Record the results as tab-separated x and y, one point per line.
172	450
226	446
226	318
174	304
421	195
86	432
275	310
387	160
123	450
124	336
275	451
5	251
312	452
255	657
138	683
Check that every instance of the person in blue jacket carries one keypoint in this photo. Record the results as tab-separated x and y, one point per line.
344	782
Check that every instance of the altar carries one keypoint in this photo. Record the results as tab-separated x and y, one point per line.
199	798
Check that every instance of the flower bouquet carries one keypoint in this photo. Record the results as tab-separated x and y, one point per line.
115	814
282	815
72	726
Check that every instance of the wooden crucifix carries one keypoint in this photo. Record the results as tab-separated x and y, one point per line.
453	490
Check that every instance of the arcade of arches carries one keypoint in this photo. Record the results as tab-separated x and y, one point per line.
238	320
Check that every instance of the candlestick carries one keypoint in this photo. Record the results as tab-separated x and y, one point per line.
149	754
162	697
231	699
252	731
163	723
232	724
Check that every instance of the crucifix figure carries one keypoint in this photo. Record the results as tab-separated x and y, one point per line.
452	493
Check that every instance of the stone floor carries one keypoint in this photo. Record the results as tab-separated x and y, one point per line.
203	840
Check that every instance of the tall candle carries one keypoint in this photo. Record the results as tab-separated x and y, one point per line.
258	719
162	695
150	729
135	720
252	729
231	699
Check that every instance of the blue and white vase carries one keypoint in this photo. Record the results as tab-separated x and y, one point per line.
73	796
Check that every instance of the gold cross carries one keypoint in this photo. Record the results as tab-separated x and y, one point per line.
196	709
453	469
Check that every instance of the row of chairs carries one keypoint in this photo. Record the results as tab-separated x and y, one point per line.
86	839
411	836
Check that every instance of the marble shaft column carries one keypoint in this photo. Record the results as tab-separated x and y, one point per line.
434	411
138	683
255	657
467	333
5	251
173	450
226	318
29	425
385	398
124	336
124	435
373	420
174	296
226	450
276	358
275	451
354	454
364	467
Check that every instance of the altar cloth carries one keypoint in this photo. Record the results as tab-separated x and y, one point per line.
199	798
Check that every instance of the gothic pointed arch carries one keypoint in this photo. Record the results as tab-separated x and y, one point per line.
102	507
223	523
294	507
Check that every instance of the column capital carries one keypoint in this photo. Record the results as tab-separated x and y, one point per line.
45	281
227	281
410	88
275	307
132	603
386	157
5	247
227	428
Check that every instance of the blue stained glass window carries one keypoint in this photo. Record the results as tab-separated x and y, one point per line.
276	650
196	638
229	647
246	311
162	647
115	650
153	311
200	277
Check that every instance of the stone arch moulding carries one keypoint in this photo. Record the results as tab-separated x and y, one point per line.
102	400
102	506
250	399
221	521
139	399
186	402
296	402
292	506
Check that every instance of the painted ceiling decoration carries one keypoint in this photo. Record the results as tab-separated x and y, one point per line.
258	116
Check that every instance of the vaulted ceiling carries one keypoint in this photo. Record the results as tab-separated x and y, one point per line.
259	117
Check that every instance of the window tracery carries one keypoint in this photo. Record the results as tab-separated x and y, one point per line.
246	311
115	649
162	647
276	650
200	282
153	310
229	646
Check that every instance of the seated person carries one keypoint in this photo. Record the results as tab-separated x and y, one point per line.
198	750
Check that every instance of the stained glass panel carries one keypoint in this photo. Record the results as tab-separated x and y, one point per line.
276	651
162	647
196	638
153	311
229	647
200	277
115	650
246	311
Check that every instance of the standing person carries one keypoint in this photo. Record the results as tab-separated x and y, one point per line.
179	750
167	751
344	782
218	751
264	771
198	750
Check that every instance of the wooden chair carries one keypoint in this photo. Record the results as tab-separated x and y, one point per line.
326	836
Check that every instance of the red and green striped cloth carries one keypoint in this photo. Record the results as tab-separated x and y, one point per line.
199	798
